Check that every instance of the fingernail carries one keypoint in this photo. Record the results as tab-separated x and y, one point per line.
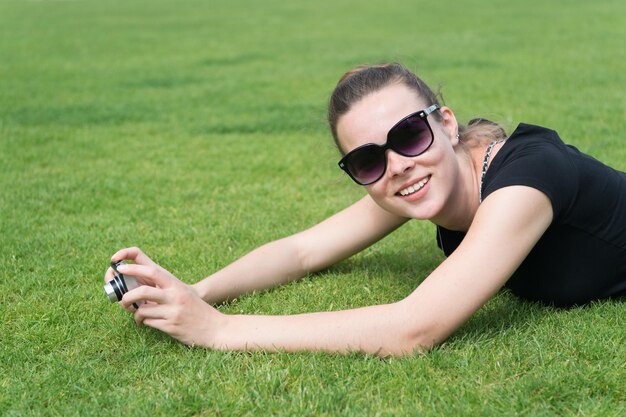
122	268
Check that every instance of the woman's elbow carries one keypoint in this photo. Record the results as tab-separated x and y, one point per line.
415	343
417	336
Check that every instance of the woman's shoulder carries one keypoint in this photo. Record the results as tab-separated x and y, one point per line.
526	133
531	129
532	144
537	145
536	157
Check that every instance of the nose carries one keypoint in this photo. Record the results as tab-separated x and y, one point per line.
398	164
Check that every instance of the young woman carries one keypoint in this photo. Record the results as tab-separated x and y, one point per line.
526	212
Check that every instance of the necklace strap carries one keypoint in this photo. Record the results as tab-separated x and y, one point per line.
485	166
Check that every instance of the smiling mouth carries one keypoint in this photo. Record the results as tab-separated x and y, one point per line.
413	188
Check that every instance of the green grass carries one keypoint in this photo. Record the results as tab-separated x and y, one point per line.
196	131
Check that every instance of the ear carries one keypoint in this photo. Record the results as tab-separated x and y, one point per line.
449	124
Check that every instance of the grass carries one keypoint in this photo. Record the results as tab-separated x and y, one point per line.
196	131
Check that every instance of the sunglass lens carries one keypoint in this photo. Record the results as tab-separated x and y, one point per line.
411	137
367	165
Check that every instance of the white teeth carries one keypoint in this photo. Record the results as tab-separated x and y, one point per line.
415	187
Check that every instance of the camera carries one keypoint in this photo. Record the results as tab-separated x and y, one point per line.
120	284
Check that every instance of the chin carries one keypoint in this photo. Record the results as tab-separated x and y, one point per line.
421	213
418	210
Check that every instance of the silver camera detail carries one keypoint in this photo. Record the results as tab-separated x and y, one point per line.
120	284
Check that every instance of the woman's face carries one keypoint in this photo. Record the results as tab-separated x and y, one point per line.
436	170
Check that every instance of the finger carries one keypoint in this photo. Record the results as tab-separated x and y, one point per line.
130	309
159	324
134	254
150	274
108	275
143	293
133	309
150	311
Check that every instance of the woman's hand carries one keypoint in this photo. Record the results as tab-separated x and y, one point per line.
171	305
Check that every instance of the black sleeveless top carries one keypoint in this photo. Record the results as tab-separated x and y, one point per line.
582	255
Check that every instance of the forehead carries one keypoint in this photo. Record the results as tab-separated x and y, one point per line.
369	119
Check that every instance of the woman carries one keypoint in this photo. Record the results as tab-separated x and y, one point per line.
526	212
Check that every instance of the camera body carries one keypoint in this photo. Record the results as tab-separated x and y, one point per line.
120	284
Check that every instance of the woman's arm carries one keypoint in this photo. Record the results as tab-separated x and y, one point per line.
506	227
334	239
278	262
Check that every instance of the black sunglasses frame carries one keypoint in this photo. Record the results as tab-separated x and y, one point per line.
422	114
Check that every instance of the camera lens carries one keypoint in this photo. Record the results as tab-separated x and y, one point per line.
120	284
115	289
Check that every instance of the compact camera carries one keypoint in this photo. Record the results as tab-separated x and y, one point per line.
120	284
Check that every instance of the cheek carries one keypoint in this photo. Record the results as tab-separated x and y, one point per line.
450	160
443	160
376	190
378	193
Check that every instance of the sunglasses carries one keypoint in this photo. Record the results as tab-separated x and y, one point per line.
411	136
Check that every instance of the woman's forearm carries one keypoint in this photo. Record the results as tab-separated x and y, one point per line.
175	308
272	264
381	330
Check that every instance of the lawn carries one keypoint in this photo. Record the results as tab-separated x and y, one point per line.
196	130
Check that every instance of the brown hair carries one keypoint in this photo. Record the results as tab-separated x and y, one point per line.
363	80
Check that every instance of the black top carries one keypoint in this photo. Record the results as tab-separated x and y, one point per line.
582	254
